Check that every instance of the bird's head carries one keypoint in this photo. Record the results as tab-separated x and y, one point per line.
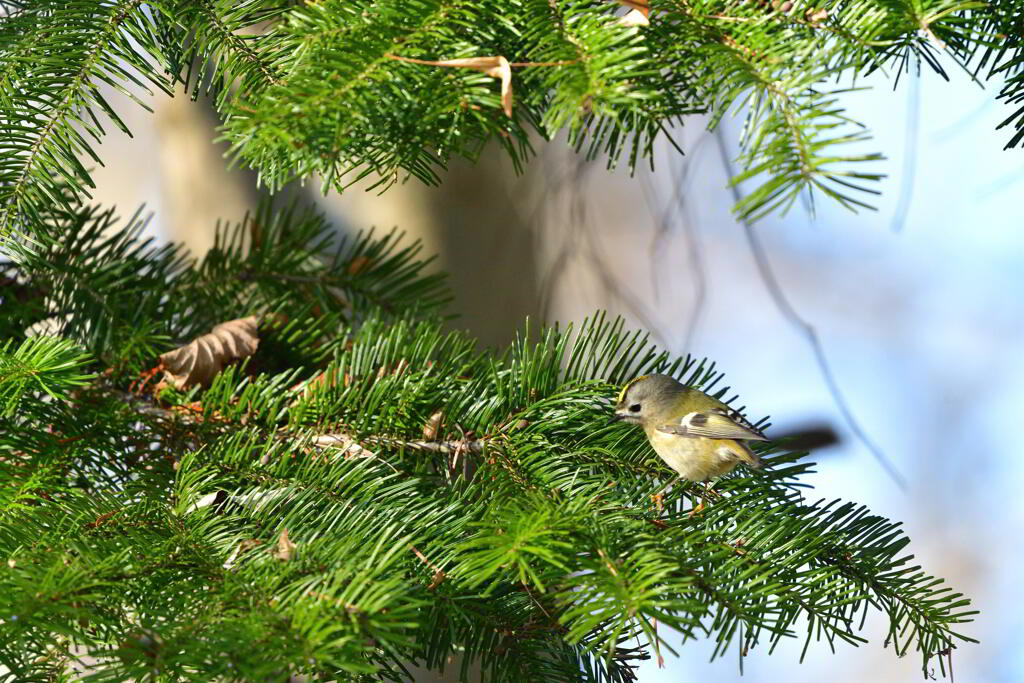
648	397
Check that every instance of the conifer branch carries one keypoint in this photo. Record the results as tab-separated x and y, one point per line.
368	481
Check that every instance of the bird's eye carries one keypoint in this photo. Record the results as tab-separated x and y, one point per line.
635	408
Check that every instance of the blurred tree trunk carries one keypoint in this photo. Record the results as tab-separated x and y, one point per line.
197	188
471	221
477	229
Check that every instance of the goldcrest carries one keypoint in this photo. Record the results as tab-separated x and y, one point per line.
696	435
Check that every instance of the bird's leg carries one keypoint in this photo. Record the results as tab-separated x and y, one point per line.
659	496
697	508
706	497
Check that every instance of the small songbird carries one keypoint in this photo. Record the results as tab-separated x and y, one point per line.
696	435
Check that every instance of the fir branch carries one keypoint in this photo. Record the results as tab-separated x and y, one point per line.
554	509
51	104
50	366
300	87
212	45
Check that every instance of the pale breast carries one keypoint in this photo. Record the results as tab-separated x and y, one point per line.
691	457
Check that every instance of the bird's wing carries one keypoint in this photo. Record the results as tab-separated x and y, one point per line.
714	424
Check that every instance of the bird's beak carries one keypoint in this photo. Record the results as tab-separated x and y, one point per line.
616	417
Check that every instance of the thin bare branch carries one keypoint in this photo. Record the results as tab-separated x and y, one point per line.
809	332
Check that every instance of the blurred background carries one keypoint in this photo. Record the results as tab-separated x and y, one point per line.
918	307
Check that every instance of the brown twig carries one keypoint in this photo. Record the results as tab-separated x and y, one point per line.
451	447
563	62
448	62
438	572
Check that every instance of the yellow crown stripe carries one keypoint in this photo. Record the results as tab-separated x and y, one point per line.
622	394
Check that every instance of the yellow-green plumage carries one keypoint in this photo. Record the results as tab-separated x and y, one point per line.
697	435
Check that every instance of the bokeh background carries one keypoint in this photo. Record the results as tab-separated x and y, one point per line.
918	307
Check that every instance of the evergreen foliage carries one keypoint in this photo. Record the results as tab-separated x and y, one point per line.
368	491
322	88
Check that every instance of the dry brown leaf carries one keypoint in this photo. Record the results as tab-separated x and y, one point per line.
249	544
634	17
433	425
358	265
285	548
199	361
244	546
504	72
638	14
816	16
495	67
400	367
101	519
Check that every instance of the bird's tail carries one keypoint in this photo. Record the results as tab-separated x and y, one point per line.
748	456
810	438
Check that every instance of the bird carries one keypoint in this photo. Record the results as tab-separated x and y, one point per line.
697	435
